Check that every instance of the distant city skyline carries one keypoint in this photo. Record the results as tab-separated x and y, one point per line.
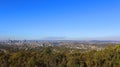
59	38
60	19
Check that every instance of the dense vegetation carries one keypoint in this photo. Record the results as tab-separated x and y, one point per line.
48	57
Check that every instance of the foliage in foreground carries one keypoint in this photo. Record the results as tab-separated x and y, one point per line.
109	57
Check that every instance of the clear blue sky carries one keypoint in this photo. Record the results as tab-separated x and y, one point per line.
35	19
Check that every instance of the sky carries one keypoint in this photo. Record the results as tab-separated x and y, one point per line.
60	19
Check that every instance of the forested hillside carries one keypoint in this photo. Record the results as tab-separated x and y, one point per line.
109	57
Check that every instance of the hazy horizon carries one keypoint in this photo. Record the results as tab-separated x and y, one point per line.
62	38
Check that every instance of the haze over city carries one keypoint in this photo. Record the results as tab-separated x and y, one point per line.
60	19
